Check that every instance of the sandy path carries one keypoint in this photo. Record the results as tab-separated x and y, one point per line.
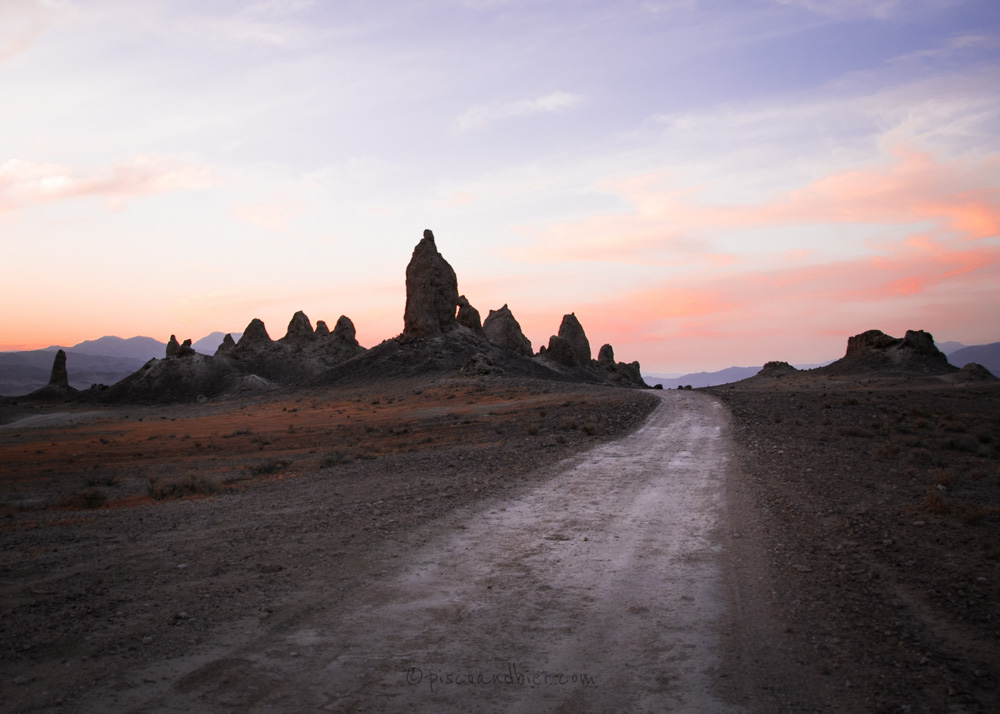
599	590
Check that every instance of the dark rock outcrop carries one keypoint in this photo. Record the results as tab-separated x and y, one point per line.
468	316
776	370
875	351
431	292
973	372
479	365
321	329
570	347
59	377
227	346
344	331
173	346
254	337
186	349
606	356
300	329
502	330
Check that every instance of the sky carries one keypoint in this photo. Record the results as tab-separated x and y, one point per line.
704	183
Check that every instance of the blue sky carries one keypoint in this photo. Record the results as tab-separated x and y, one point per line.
703	183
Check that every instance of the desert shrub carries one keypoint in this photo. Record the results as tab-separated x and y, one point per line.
961	442
589	429
533	430
335	458
943	477
92	498
102	480
886	450
270	466
190	485
934	502
568	424
855	431
971	515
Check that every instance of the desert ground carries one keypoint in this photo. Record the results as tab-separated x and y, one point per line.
801	548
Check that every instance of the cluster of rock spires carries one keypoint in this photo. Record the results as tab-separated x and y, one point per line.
435	308
442	332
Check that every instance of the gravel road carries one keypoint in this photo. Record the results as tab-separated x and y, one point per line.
599	590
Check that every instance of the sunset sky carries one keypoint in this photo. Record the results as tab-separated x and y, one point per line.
705	183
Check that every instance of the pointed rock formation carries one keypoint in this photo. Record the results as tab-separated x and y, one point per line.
503	330
254	337
571	346
227	346
300	329
344	330
468	316
572	331
606	357
173	346
561	352
59	378
431	291
321	329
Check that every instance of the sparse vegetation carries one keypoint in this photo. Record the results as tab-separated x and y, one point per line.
190	485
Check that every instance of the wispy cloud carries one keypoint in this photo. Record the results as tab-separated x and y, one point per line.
22	21
482	115
878	9
26	183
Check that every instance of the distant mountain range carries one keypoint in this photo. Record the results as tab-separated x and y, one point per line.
712	379
105	360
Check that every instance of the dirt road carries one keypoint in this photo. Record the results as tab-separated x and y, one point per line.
599	590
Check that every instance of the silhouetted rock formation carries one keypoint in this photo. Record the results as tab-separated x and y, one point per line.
973	372
227	346
254	337
300	329
344	331
777	370
503	330
59	377
570	347
431	292
435	340
875	351
468	316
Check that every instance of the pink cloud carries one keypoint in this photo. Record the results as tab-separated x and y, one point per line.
25	183
959	197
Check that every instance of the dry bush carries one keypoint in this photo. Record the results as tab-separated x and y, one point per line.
943	477
934	502
190	485
886	450
265	468
335	458
87	498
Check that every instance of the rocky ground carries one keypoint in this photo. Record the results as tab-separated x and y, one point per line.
869	520
863	532
138	535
